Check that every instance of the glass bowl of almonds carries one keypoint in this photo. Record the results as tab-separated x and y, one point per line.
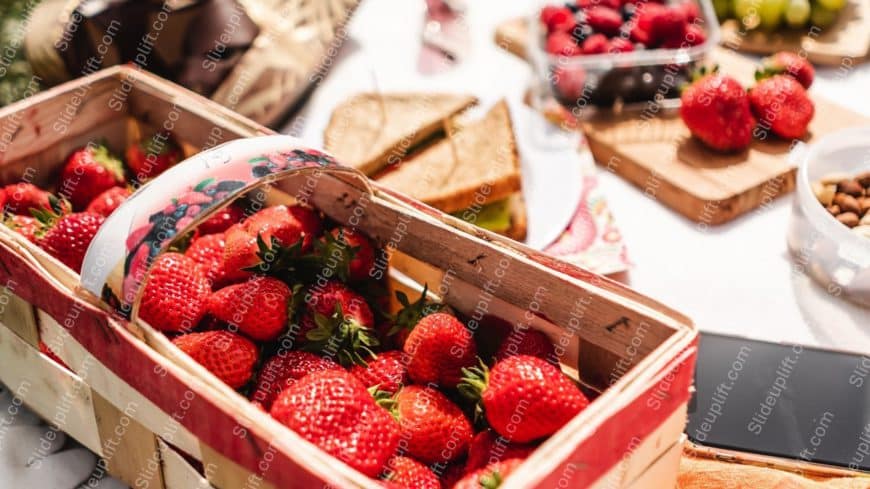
829	236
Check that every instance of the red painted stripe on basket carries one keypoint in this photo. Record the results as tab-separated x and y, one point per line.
624	429
137	365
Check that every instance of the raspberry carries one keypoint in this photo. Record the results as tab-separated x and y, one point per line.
562	44
580	32
569	82
646	15
557	19
690	10
695	36
669	24
596	44
641	36
604	20
587	4
620	45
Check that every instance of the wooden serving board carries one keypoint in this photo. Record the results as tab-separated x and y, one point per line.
658	155
846	42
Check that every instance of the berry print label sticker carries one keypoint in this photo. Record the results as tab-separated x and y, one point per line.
185	195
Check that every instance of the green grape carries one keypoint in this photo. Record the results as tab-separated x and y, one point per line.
822	17
771	13
722	8
797	13
746	11
833	5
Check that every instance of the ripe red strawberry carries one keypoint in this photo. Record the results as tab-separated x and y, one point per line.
488	447
550	398
387	372
23	225
407	473
562	44
334	411
395	331
240	253
621	45
152	156
450	475
88	172
257	307
489	477
208	252
67	237
439	347
557	19
338	323
106	203
433	429
230	357
595	44
356	251
175	294
282	371
288	224
222	221
21	197
604	20
526	341
324	300
788	63
716	110
782	106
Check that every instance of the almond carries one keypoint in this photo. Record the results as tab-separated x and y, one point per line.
824	193
849	219
850	187
847	203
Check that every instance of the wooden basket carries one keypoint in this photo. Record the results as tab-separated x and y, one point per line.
118	105
637	353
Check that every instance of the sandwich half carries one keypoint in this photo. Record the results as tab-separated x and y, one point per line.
472	173
370	130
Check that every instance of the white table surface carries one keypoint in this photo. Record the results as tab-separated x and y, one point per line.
735	278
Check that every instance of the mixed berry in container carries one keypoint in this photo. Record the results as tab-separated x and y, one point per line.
602	52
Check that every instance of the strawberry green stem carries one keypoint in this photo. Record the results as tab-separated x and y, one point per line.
474	382
491	481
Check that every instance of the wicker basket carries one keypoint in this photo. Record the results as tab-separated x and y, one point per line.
638	354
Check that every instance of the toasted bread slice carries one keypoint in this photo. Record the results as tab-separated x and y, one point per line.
475	165
519	224
370	130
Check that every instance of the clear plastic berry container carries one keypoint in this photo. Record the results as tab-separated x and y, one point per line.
831	253
623	81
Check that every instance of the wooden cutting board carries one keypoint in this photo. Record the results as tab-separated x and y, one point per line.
659	156
844	43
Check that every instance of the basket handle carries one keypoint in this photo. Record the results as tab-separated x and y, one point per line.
171	205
